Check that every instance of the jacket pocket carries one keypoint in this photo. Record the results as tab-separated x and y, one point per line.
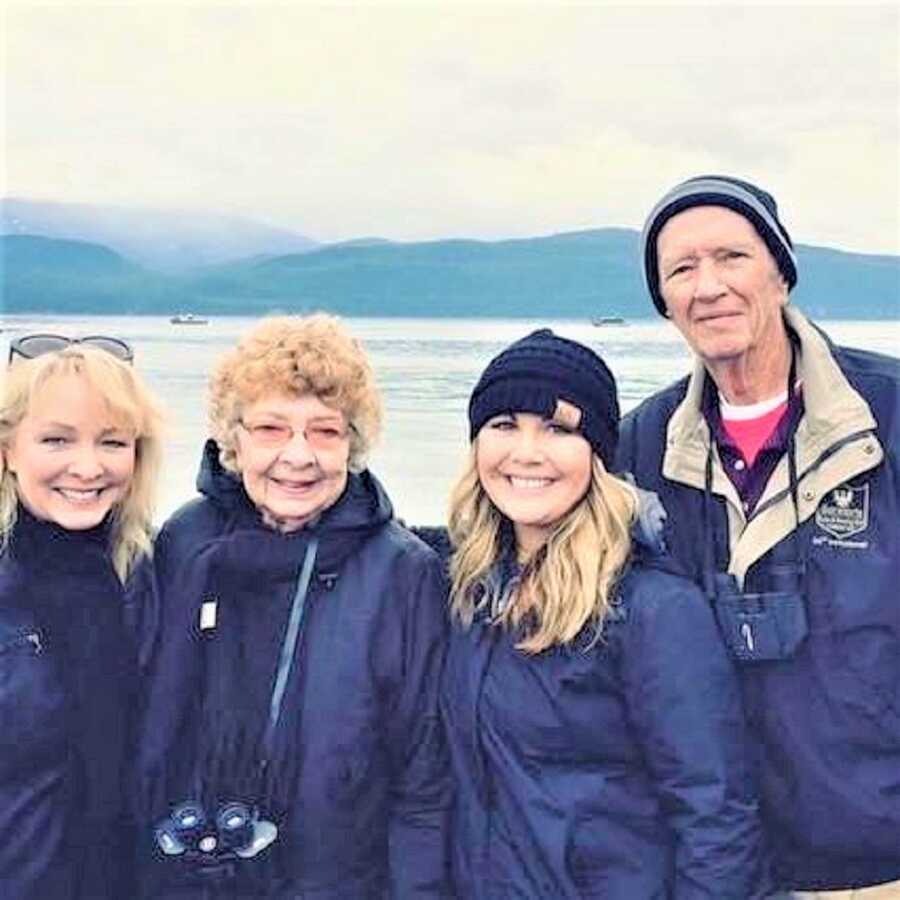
760	627
32	708
865	646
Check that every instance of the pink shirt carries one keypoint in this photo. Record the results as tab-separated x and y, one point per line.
750	426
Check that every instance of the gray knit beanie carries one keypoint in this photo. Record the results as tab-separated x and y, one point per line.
749	201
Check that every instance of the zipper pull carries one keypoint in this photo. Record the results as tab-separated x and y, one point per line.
747	635
34	639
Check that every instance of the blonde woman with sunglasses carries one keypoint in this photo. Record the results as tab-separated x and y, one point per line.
79	455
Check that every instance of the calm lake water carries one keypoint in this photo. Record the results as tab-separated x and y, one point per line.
425	367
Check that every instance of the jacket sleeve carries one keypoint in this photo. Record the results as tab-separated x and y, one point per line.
420	777
142	610
683	697
163	620
145	593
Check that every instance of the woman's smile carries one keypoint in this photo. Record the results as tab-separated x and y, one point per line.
529	483
533	470
81	496
73	460
293	482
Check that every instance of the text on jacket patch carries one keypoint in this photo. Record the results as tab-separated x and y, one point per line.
842	514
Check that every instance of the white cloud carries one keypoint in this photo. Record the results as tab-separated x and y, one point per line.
431	119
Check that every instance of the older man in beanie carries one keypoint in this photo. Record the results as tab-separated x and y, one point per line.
777	461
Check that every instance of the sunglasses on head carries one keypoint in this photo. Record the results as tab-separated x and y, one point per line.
30	346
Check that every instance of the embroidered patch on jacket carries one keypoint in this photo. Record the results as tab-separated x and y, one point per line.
844	511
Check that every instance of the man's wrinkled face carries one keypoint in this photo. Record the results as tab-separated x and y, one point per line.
721	285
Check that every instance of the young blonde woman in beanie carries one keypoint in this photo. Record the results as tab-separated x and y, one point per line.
593	716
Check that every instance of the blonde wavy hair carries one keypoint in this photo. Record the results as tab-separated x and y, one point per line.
130	403
296	355
568	583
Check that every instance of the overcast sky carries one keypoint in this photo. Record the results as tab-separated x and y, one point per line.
496	119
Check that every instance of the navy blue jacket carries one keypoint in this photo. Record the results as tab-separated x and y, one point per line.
66	682
614	770
824	720
358	775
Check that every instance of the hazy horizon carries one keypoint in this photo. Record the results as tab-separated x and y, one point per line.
215	215
415	122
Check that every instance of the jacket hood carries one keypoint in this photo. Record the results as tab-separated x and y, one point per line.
648	530
215	482
649	547
247	549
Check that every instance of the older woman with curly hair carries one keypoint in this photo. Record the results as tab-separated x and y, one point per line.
292	744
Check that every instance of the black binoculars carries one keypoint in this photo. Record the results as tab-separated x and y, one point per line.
234	831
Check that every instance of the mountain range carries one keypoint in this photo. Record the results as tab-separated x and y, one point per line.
165	240
582	274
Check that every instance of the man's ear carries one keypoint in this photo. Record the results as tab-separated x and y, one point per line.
781	281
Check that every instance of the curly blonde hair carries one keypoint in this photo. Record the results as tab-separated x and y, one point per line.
296	355
129	401
568	583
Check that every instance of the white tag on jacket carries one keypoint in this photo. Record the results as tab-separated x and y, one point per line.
208	615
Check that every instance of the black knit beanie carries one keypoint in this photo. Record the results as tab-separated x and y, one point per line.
535	372
749	201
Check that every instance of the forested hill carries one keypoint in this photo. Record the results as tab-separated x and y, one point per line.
40	274
574	275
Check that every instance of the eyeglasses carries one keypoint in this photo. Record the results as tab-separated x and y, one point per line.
275	435
32	345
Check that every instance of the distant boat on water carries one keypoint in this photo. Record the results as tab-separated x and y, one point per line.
188	319
608	320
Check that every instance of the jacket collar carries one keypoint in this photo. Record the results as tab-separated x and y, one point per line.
248	549
58	547
834	411
835	441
